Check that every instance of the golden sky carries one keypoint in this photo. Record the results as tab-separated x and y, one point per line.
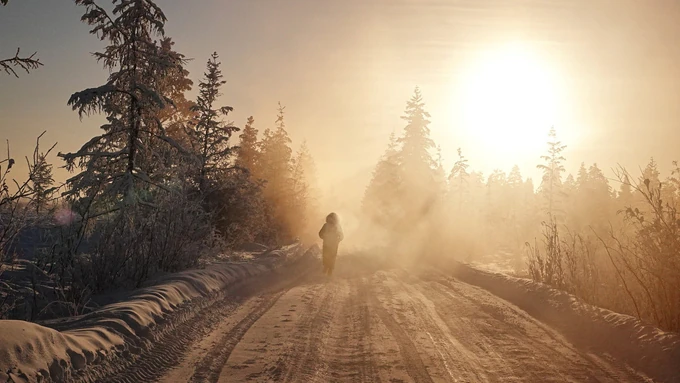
492	73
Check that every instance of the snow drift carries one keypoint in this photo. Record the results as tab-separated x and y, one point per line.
641	346
33	353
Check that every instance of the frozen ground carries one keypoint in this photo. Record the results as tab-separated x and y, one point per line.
371	322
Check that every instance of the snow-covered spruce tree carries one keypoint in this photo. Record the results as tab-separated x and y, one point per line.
382	203
248	151
552	167
231	195
174	85
127	175
120	164
275	169
458	181
41	180
416	156
440	174
305	194
208	134
417	165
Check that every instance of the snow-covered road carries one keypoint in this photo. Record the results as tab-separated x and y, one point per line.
368	323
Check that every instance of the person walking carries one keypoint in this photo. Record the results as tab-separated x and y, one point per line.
331	234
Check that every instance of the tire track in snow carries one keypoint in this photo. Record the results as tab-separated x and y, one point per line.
369	368
168	344
414	364
209	368
347	356
211	365
307	354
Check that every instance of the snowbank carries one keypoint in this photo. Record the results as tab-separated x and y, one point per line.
643	347
33	353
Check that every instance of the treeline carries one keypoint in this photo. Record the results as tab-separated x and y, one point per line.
613	243
162	185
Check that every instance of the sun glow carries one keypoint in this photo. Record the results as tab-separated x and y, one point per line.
510	99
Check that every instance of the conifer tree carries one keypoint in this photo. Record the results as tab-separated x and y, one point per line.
248	152
440	174
650	176
275	169
552	174
625	194
417	167
458	179
515	191
304	188
670	188
122	160
497	206
582	176
648	185
598	197
579	208
174	85
381	202
571	199
675	174
416	159
209	134
515	177
40	177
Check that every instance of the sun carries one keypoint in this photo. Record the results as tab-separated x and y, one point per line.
510	99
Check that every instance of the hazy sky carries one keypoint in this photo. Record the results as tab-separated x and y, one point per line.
344	70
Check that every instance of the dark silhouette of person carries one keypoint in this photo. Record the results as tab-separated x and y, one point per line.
331	234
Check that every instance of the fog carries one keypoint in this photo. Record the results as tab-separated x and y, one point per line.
534	137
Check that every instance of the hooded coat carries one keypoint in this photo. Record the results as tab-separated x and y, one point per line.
331	234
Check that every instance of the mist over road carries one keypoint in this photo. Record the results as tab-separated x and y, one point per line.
368	323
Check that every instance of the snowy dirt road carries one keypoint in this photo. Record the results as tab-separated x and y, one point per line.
368	323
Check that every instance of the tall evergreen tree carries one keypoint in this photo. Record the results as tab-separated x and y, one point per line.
515	191
174	85
552	174
497	206
440	174
582	176
650	176
209	134
305	192
40	177
124	158
571	199
671	187
248	152
458	179
381	202
416	158
275	169
515	177
625	194
418	169
598	197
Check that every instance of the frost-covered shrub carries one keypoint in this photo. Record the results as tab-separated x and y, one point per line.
137	242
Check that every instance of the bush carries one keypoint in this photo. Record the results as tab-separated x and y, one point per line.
634	269
137	242
647	262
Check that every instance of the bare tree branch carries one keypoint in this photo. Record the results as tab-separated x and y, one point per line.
26	63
